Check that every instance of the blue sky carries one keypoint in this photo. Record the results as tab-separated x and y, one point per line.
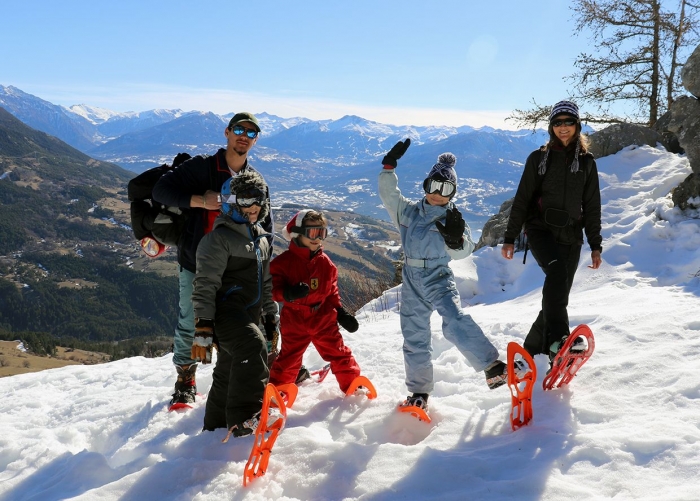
453	62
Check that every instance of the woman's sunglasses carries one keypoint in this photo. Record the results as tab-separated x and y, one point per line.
569	122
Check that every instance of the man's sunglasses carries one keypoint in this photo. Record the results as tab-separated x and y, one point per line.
436	186
239	129
569	122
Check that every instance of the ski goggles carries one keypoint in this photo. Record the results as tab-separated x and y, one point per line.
248	198
311	232
439	187
239	130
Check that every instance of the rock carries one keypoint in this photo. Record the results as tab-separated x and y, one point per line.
614	138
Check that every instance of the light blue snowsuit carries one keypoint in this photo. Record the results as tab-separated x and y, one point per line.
428	285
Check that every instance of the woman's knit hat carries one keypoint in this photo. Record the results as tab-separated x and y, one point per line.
444	169
562	108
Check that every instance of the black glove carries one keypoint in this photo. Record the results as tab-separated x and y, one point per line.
293	292
272	334
453	229
270	326
396	152
346	320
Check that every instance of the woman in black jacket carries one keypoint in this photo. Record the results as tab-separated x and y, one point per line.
557	199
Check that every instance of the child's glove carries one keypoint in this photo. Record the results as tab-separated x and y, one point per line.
396	152
203	343
346	320
293	292
453	229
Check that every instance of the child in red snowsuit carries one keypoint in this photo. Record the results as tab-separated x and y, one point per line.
305	280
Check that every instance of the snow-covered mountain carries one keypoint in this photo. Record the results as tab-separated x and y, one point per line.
627	427
333	163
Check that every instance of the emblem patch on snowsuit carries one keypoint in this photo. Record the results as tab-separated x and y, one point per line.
314	284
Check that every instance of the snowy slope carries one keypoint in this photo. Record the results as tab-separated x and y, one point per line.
628	427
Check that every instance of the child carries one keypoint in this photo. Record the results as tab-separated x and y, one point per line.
305	280
232	290
433	233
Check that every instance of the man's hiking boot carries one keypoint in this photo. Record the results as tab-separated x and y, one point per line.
419	400
185	386
496	374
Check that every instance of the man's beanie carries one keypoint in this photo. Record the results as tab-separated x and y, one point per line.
244	116
297	220
444	169
564	108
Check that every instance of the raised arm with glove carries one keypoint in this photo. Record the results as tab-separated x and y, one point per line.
453	229
390	160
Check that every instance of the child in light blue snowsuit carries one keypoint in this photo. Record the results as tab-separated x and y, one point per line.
433	233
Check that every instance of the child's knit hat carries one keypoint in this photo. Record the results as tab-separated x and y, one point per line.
296	221
444	169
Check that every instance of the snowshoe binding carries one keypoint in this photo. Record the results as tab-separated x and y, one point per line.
417	406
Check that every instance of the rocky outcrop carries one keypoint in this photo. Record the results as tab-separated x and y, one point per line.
494	229
690	74
684	122
612	139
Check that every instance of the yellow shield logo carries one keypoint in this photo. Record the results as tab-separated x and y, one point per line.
314	284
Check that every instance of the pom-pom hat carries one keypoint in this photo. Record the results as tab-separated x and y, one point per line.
442	178
444	169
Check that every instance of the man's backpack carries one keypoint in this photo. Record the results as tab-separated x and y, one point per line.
148	217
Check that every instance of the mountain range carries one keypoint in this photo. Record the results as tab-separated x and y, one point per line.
330	163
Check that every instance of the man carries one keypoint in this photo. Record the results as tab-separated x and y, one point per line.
195	185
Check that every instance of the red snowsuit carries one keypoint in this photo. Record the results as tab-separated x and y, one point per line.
312	319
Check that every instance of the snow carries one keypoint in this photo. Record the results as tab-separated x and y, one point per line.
628	426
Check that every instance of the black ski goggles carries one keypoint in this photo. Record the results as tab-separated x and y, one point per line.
248	198
439	187
311	232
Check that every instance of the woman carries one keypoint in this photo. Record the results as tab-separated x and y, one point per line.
558	197
232	290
